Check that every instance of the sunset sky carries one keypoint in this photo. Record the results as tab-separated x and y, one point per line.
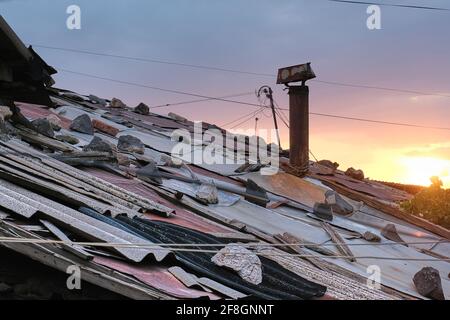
410	52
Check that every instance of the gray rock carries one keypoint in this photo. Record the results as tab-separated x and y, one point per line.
5	112
169	161
329	164
117	103
97	100
142	108
98	144
131	144
82	124
67	138
177	117
323	211
207	193
428	283
338	204
150	171
390	232
372	237
355	174
43	126
54	121
245	262
123	159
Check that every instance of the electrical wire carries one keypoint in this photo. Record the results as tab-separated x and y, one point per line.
250	244
235	120
379	121
157	88
237	71
351	85
249	118
409	6
180	64
202	100
176	247
252	104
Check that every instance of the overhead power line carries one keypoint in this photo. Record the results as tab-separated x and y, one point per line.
421	93
212	68
254	114
379	121
409	6
248	103
157	88
250	114
202	100
180	64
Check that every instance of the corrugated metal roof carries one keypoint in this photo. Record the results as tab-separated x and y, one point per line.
85	225
119	193
157	277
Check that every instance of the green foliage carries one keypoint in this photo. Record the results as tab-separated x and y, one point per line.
432	203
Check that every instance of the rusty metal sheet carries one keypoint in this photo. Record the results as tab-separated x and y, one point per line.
33	111
289	186
157	277
182	217
157	120
192	280
86	226
109	191
60	191
370	188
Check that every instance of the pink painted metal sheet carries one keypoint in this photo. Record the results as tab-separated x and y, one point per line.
157	277
183	217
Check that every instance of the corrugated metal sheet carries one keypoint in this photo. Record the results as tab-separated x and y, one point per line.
191	280
371	188
395	274
157	277
33	111
110	191
182	217
61	191
85	225
289	186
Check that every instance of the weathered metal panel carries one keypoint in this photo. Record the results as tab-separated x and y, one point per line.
191	280
89	227
110	191
156	277
289	186
182	217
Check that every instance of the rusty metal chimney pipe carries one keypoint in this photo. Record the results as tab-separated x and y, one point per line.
299	128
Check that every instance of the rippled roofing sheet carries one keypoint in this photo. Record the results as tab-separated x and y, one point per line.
183	217
289	186
157	277
396	274
374	189
82	224
33	111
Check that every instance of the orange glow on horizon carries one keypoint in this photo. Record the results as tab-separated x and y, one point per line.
384	164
